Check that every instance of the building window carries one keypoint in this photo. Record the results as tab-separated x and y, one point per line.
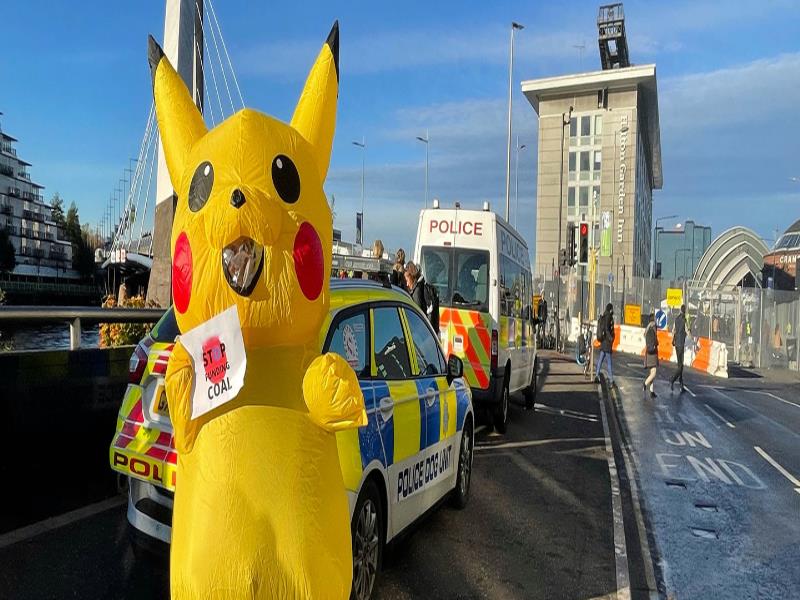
585	166
583	197
571	198
598	124
573	127
572	165
598	159
586	121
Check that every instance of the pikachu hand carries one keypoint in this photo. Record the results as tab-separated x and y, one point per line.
332	394
179	378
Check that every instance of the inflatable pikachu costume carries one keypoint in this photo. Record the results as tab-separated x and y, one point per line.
260	507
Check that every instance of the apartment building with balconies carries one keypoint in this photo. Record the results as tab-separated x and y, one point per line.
39	243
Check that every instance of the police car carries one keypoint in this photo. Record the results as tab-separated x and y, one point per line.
415	451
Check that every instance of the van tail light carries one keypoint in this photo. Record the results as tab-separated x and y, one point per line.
137	363
495	345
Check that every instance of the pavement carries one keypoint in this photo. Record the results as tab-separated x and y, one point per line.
542	522
717	472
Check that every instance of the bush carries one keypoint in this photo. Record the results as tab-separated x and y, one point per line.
123	334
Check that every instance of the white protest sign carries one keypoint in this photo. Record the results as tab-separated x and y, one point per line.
219	360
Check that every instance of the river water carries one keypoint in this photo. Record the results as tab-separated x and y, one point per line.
45	336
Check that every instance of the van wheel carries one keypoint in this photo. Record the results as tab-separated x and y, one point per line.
367	531
530	391
501	411
461	491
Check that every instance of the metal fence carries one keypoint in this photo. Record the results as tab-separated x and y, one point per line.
759	326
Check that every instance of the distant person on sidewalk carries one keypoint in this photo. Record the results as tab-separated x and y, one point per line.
605	335
679	341
650	354
398	276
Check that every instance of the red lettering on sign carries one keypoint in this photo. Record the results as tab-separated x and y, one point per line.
120	459
143	467
456	227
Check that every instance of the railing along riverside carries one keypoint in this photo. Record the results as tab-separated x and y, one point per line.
76	315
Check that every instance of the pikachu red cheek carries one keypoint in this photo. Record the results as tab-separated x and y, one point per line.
308	261
182	273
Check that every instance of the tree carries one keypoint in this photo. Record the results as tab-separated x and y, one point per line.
8	260
82	250
57	209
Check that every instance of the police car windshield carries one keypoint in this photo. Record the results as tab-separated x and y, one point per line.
460	275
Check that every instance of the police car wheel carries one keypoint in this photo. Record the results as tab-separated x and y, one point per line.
501	412
367	533
461	491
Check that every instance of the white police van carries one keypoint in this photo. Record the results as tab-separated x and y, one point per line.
480	267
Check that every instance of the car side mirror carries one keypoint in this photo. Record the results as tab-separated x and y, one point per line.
455	368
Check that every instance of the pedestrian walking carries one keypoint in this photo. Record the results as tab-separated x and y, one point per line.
605	335
398	275
650	354
415	286
679	341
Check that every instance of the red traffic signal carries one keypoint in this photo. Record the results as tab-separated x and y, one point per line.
583	243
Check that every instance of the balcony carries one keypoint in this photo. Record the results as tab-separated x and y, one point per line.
6	209
30	196
6	170
14	191
9	149
10	229
24	175
33	216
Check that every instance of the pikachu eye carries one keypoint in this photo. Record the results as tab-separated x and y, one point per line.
200	188
286	179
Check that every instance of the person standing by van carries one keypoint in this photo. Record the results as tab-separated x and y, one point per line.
679	341
415	286
398	275
650	354
605	335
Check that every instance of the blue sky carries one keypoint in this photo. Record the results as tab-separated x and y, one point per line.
76	91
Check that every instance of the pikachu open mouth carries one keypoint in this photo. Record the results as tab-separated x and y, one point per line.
242	261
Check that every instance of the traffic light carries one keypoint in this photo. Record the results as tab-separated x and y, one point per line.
572	248
583	243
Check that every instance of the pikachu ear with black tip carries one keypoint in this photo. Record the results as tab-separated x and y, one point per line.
180	123
315	114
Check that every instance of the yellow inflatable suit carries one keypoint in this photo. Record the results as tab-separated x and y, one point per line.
260	507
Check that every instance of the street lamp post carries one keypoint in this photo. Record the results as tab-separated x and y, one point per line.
655	244
514	26
565	120
425	140
516	182
363	145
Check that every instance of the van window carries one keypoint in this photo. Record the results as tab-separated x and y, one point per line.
461	276
515	289
166	330
391	354
348	339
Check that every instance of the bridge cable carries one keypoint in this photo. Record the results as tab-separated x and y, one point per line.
138	192
205	87
225	49
221	64
213	75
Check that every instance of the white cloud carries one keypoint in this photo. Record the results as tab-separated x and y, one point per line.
761	91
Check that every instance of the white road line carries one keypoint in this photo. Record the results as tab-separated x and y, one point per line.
686	387
478	429
485	446
723	419
25	533
773	396
780	469
620	548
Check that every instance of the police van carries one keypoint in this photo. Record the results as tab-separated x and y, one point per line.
480	268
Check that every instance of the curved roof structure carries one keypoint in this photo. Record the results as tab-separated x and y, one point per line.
732	256
790	240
